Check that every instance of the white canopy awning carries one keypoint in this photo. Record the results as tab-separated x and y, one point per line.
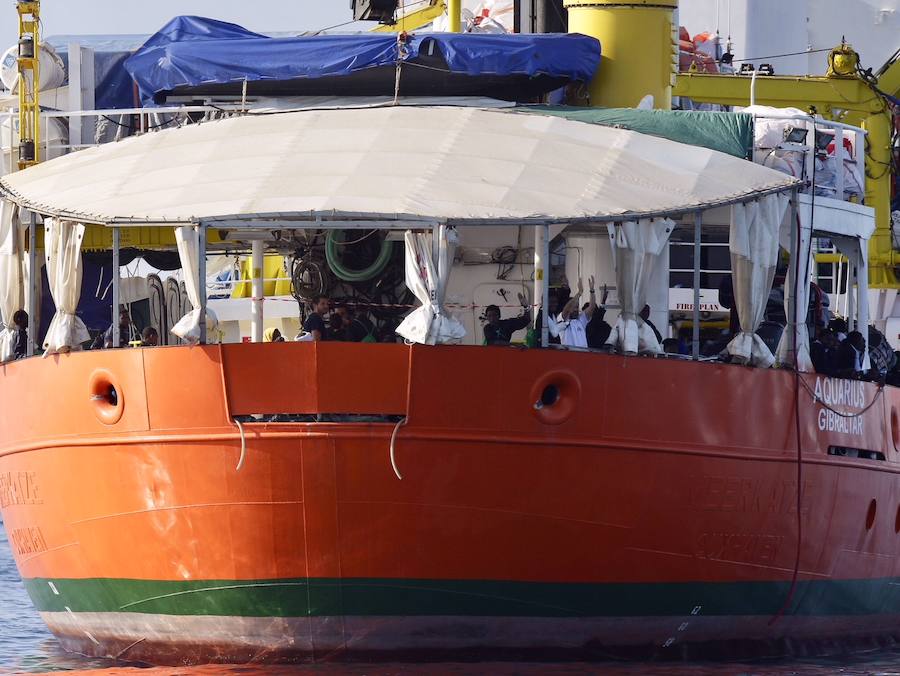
460	165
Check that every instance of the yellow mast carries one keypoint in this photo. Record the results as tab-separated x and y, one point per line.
29	82
454	11
640	49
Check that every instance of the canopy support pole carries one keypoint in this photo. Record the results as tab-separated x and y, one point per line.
201	273
793	323
256	270
526	16
116	291
541	282
862	300
695	341
34	281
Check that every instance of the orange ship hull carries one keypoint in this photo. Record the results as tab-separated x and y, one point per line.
653	505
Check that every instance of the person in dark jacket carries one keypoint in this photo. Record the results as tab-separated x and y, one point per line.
552	339
824	352
598	329
20	319
128	332
881	356
499	331
850	356
645	315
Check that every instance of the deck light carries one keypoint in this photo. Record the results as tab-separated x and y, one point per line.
795	134
26	151
26	47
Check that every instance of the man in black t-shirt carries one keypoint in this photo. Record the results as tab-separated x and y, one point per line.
315	323
345	325
499	331
598	329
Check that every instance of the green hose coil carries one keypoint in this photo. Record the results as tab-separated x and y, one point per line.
335	262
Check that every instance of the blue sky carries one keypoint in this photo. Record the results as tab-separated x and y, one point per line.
75	17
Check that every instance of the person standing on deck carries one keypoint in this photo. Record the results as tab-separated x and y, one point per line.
149	337
128	332
598	329
645	315
315	323
20	348
499	331
572	321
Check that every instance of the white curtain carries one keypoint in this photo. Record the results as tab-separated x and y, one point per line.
753	242
636	249
796	310
428	264
188	327
12	289
62	248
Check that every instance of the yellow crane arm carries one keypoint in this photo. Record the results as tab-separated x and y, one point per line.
414	20
889	75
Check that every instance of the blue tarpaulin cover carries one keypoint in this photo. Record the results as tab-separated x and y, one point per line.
190	51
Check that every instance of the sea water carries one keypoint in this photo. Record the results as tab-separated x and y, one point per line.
27	647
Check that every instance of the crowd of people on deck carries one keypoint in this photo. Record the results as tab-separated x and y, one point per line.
576	325
343	324
322	323
834	350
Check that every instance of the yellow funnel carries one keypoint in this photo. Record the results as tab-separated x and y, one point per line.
640	49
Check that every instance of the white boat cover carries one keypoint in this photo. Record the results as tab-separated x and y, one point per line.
446	163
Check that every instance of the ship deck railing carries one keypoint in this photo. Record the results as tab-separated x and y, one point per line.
816	128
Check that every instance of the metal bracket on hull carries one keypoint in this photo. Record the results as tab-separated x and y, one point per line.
243	445
400	423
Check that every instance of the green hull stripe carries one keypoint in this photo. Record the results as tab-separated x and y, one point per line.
390	597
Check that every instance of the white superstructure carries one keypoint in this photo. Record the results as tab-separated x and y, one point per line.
763	29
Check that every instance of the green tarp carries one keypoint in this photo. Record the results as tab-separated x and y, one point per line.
730	133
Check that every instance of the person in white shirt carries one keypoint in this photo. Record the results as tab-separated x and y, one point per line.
572	321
